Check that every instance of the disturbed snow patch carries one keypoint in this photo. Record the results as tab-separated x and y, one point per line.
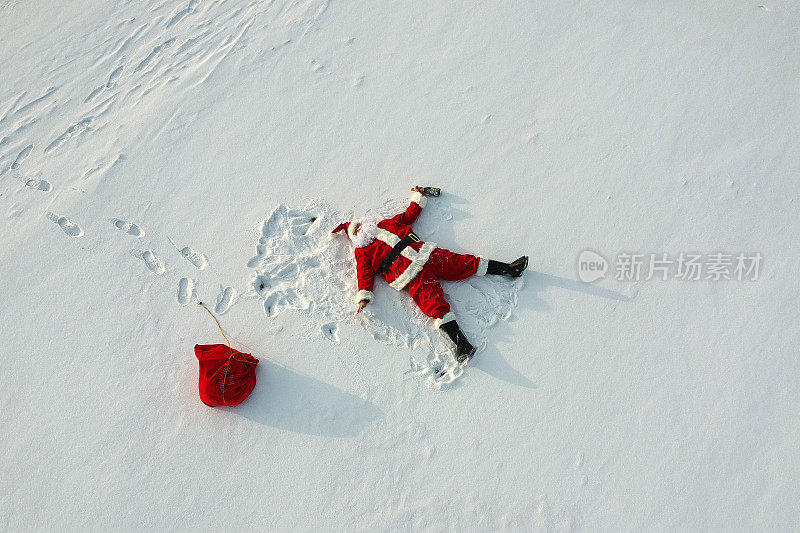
300	265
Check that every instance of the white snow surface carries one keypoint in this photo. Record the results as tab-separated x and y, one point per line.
154	154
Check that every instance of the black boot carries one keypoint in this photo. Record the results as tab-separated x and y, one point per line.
514	269
464	350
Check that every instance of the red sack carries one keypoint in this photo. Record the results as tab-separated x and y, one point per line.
227	376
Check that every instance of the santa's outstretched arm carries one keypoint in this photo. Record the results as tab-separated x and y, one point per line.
366	277
408	216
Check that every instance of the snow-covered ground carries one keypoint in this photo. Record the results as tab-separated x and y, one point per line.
158	153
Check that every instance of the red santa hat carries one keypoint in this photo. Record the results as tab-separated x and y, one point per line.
348	227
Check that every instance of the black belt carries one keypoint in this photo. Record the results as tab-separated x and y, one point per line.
397	249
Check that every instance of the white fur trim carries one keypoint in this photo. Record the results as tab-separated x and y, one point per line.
352	226
387	236
418	199
421	256
418	260
483	265
449	317
364	295
369	229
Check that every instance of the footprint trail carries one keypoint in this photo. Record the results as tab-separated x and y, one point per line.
39	185
22	156
225	300
198	259
131	229
153	263
188	10
69	227
154	54
75	129
330	331
185	290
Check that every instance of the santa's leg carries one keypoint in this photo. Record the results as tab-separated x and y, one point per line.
427	293
451	266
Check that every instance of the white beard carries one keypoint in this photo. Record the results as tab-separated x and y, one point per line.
366	234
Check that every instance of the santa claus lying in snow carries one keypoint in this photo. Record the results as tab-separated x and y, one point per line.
390	248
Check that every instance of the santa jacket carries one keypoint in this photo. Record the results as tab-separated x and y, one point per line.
407	265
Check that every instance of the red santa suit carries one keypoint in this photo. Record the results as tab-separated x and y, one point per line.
419	267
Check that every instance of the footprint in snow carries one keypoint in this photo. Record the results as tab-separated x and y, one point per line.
182	13
131	229
68	226
273	304
75	129
154	264
185	290
22	156
94	94
225	300
154	54
330	331
39	185
114	76
196	258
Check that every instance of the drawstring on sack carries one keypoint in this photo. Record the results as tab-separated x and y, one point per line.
218	324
